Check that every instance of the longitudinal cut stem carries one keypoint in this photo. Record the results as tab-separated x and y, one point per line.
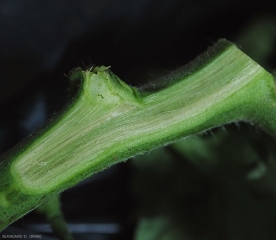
109	121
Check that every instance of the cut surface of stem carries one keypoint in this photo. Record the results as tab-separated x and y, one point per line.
108	122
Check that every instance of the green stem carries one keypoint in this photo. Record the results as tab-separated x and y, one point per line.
53	214
109	121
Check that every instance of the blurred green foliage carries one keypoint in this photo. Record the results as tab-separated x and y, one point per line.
214	186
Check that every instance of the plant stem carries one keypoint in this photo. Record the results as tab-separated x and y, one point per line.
53	214
109	121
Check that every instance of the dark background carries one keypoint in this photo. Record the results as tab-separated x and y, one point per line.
41	41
